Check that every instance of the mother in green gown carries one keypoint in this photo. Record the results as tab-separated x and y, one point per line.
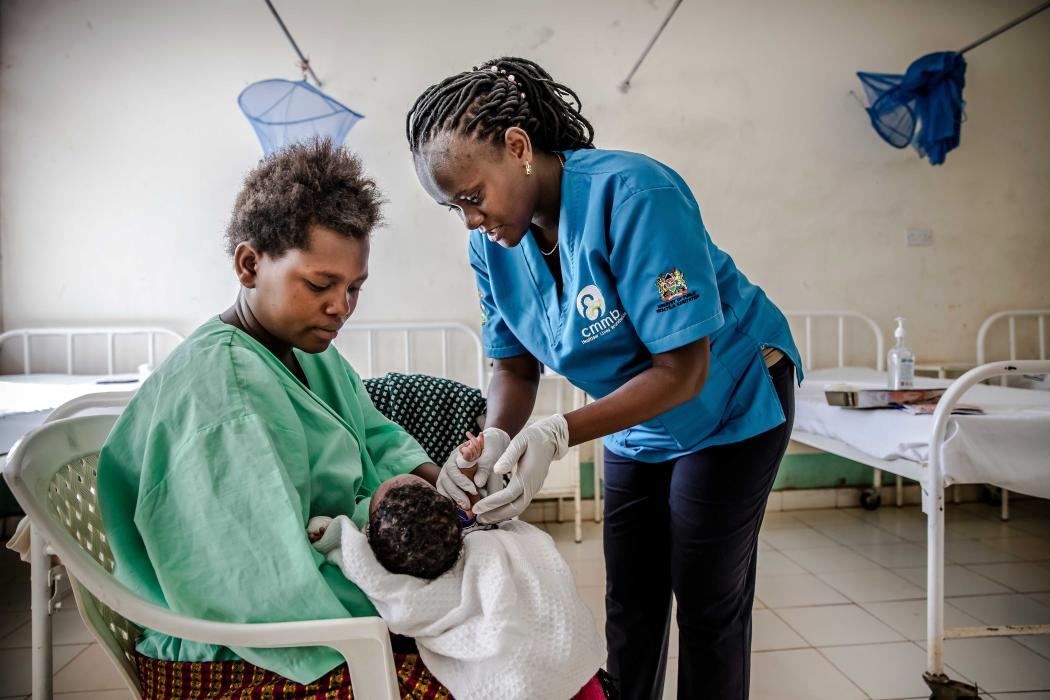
255	424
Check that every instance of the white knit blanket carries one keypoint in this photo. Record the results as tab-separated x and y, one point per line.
505	622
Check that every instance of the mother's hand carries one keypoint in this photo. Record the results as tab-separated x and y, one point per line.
453	483
532	451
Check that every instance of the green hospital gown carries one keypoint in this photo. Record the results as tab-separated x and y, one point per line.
210	475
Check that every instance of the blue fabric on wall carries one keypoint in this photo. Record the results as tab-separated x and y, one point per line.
923	107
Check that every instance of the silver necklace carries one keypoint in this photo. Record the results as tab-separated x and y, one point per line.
561	161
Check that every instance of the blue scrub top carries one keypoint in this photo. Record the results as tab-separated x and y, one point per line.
641	276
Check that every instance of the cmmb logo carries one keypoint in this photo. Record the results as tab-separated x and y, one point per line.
590	303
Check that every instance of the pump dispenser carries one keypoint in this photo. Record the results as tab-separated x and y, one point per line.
901	359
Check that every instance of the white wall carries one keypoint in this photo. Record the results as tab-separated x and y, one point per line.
122	148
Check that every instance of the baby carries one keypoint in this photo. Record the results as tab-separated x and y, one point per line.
495	614
412	528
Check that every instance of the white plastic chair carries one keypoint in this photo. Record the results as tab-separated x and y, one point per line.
45	574
52	472
1040	316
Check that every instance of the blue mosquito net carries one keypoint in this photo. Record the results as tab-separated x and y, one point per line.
287	111
923	107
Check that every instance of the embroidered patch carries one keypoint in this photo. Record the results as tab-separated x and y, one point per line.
671	284
673	290
481	303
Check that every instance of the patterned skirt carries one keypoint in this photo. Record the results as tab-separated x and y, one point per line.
240	680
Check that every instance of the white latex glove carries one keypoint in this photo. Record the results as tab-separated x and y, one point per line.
531	451
455	484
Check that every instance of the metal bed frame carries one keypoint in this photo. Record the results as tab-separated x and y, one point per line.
71	334
870	498
408	332
930	475
982	338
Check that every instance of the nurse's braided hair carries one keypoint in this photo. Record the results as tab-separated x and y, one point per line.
483	103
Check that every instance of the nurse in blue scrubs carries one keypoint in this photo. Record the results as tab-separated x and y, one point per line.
597	264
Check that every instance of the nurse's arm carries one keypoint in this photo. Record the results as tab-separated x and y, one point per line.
512	392
675	377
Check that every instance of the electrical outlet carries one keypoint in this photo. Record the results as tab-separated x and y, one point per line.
918	237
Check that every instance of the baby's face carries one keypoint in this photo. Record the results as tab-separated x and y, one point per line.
393	482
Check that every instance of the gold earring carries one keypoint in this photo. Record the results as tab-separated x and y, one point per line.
528	168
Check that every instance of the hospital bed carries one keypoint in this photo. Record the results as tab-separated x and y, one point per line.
1009	446
59	364
817	347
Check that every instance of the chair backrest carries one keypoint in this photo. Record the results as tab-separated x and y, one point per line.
56	482
810	318
105	402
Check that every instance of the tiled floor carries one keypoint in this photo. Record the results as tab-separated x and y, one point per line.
839	611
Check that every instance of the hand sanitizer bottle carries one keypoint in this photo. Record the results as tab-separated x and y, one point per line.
901	360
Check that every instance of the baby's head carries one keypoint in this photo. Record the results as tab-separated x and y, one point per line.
413	529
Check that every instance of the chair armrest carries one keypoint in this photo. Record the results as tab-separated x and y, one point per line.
363	641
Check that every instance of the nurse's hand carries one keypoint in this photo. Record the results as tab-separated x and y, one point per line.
453	483
532	450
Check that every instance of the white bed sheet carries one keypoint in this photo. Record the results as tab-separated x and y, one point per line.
1009	446
27	399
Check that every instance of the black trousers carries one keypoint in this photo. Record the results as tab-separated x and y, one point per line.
689	526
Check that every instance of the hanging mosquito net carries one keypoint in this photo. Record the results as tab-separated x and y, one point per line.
923	107
287	111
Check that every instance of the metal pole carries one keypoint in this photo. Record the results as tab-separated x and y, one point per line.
40	600
1009	25
626	84
304	61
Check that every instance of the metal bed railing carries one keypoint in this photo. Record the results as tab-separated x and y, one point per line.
71	334
982	357
408	331
841	317
1011	316
869	498
933	505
